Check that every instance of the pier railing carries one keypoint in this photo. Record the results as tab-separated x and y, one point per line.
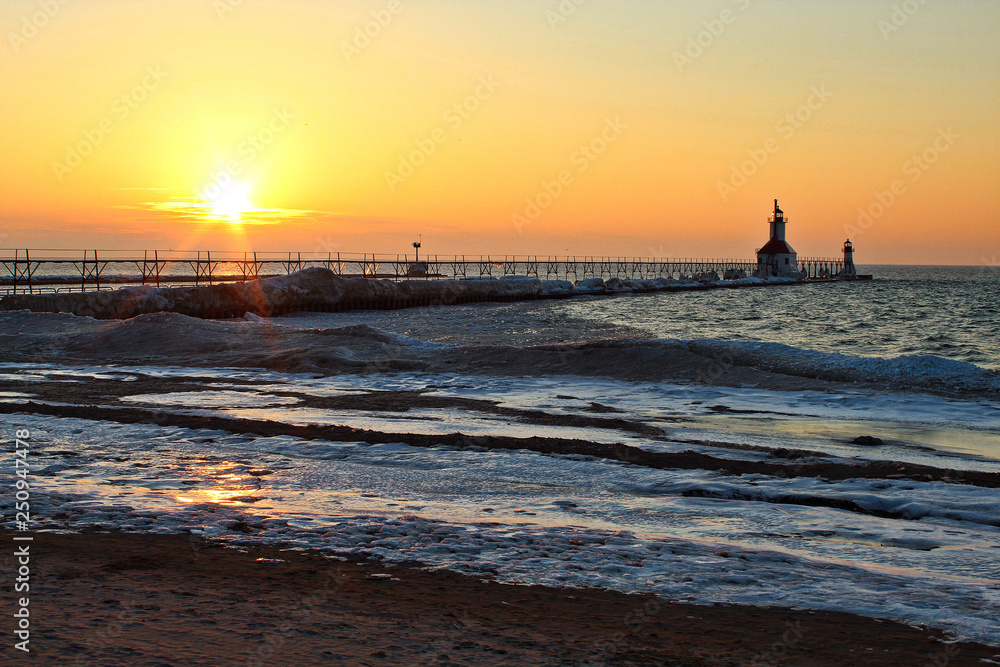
64	270
820	267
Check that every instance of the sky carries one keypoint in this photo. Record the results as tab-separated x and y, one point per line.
542	127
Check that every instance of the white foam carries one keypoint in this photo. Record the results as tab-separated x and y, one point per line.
207	399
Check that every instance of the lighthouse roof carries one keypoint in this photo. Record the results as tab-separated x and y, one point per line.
775	247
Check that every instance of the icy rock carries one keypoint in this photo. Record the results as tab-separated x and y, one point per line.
312	289
590	286
617	285
708	277
557	288
641	285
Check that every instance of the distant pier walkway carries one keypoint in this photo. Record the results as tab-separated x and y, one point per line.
47	271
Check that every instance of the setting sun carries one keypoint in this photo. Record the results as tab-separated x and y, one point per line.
232	202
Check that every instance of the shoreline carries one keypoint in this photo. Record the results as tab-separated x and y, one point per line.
788	467
131	598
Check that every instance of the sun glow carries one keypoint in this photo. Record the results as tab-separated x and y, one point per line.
232	202
258	134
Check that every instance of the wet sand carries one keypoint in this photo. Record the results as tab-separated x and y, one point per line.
159	600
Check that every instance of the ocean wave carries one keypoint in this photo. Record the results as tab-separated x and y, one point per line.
923	370
175	339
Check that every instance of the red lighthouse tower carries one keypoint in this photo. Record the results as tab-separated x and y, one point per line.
777	258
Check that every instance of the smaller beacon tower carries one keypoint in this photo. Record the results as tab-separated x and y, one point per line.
850	273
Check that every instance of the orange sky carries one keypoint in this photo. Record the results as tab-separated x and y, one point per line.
542	127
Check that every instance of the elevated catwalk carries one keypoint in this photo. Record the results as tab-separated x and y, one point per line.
34	271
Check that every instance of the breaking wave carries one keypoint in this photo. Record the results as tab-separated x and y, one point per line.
175	339
923	370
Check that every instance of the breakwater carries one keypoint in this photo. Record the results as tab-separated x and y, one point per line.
321	290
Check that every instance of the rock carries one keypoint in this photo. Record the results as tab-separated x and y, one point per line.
617	285
590	286
312	289
553	288
867	441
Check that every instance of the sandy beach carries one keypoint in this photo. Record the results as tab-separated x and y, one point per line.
156	600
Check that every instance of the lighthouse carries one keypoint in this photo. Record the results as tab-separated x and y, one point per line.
777	223
777	258
849	272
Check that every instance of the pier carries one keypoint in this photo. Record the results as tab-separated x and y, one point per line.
46	271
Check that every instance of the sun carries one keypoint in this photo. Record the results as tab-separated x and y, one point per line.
232	202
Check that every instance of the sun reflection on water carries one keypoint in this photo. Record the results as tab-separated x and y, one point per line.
226	486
